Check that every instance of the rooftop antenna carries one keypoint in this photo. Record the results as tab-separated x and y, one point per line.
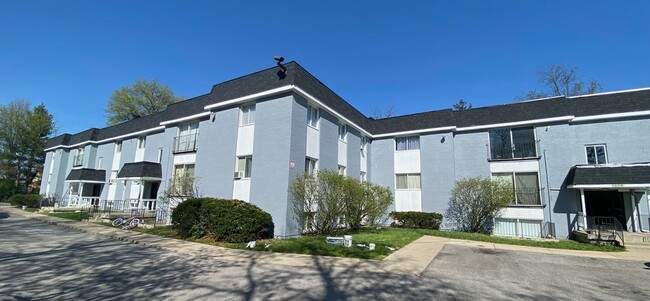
282	73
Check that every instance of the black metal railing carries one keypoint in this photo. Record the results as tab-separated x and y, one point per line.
525	150
185	143
605	228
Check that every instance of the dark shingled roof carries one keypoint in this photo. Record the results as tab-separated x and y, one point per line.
630	101
140	170
87	174
609	174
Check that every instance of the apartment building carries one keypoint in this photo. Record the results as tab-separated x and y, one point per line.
570	159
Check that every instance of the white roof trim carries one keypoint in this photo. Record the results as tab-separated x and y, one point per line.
611	92
158	128
517	123
138	179
249	97
605	186
611	116
440	129
330	110
85	181
179	120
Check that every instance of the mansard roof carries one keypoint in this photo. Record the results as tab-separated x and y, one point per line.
268	79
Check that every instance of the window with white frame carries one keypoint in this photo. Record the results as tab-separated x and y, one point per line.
343	132
408	181
247	114
525	185
187	136
118	147
342	170
183	180
310	167
142	142
245	165
596	154
79	157
312	117
407	143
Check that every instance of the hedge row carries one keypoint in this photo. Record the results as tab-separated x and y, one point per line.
29	200
416	220
232	221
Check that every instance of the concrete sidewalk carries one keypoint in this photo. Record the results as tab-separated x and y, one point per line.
412	259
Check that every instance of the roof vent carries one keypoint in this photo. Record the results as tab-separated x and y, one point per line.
282	73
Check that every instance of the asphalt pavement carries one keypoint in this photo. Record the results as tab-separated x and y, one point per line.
44	261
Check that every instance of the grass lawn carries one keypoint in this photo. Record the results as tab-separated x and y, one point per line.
382	238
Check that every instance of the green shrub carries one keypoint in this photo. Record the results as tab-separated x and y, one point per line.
236	221
29	200
224	220
416	220
186	217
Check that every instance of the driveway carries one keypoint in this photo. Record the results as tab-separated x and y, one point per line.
43	261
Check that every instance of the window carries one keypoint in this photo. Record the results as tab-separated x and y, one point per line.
79	157
408	181
247	114
187	137
142	142
596	154
343	131
118	147
362	176
514	143
312	117
407	143
310	167
245	165
183	181
526	186
341	170
160	154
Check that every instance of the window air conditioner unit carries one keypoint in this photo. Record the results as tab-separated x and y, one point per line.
239	174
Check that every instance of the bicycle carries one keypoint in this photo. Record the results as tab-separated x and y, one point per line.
126	223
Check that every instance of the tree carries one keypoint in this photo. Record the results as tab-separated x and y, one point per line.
462	105
330	201
475	202
140	99
560	80
380	112
23	135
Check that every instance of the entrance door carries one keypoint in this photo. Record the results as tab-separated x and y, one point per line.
606	203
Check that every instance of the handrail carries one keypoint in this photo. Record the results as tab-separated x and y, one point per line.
185	143
514	151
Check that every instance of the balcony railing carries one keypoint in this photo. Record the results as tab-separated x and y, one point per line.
514	151
528	197
185	143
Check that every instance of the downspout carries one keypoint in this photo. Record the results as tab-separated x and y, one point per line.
548	190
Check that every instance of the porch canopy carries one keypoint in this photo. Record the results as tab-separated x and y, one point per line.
610	176
140	171
87	175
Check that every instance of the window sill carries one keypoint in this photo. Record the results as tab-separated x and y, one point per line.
407	150
313	127
245	125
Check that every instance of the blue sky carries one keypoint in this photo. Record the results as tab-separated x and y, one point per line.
416	56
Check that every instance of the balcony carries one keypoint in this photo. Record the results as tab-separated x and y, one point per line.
185	143
78	160
515	151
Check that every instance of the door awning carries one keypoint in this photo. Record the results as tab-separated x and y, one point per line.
147	171
87	175
609	176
